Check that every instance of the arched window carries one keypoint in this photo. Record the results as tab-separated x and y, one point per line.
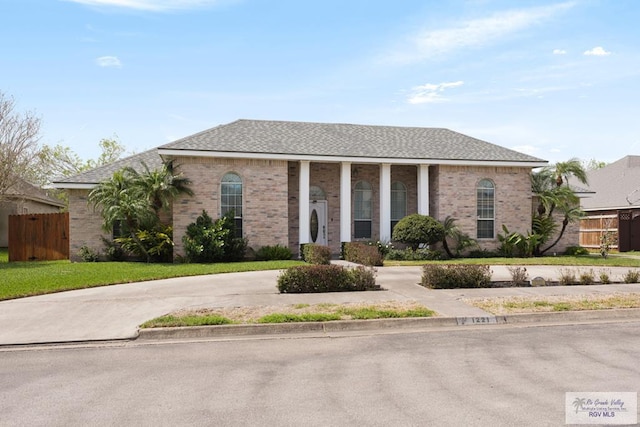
363	210
486	209
398	202
231	199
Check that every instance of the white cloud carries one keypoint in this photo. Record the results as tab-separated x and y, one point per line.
597	51
559	52
430	43
429	93
526	149
109	62
150	5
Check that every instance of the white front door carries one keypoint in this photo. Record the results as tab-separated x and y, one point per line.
318	222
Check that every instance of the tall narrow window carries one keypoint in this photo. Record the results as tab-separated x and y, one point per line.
363	211
486	209
231	199
398	203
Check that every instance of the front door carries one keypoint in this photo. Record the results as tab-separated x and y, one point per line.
318	222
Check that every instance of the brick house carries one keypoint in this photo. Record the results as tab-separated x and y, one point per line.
347	182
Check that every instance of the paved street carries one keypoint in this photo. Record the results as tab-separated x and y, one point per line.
479	376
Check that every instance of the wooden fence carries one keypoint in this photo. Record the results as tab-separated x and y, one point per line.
39	237
592	228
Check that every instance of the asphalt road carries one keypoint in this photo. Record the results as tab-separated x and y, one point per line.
478	376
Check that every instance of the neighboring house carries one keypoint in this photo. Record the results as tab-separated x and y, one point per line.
614	205
347	183
24	198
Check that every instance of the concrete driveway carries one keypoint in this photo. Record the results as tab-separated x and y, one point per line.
114	312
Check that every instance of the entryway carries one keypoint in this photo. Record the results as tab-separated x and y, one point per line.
318	222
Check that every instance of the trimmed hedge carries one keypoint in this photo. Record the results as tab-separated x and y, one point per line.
326	278
271	253
316	254
362	254
452	276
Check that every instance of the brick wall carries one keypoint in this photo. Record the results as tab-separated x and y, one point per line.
455	196
85	225
265	216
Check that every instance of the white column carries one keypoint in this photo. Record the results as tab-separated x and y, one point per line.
385	202
303	200
345	202
423	189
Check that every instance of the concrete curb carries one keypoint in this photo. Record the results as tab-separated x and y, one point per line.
568	317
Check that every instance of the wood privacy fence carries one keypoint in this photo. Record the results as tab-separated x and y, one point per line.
594	226
39	237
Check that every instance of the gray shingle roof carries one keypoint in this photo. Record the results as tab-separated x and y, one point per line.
617	185
93	176
345	140
262	137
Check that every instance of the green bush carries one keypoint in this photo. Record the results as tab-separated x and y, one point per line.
452	276
576	250
112	250
411	255
213	241
272	253
158	243
88	255
361	253
416	230
632	276
325	278
316	254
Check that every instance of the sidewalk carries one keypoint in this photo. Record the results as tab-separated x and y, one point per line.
114	312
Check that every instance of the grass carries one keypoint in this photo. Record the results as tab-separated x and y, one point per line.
293	313
22	279
512	305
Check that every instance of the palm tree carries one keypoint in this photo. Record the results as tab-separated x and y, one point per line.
119	199
551	187
573	167
161	186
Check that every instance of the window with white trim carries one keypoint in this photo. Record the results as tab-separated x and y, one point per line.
363	210
398	202
485	201
231	199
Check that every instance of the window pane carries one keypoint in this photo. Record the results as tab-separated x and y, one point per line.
362	201
398	201
362	229
231	199
485	202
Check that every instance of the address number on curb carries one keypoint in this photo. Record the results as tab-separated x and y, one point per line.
479	320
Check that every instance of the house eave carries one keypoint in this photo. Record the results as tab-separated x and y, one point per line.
74	185
167	152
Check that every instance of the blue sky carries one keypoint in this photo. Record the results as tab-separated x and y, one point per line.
555	79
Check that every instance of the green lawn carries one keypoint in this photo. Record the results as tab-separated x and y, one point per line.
21	279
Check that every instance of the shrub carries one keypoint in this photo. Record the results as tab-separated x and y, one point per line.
272	253
157	242
112	250
451	276
576	250
210	241
587	277
316	254
604	277
416	230
409	254
361	253
519	275
325	278
88	255
632	276
567	276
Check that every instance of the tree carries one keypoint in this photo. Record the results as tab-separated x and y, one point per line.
135	199
161	185
416	230
19	138
451	231
120	200
60	161
551	187
593	164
